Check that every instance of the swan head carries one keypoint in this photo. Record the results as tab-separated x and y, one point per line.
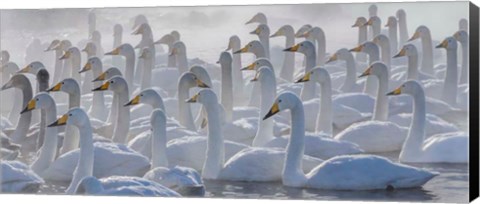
191	80
372	10
4	56
68	85
258	18
313	32
461	36
53	45
202	74
463	24
252	46
225	59
261	30
284	101
305	47
373	21
360	22
176	35
115	84
318	74
365	47
69	53
32	68
166	39
391	22
146	53
377	68
260	62
302	30
420	32
148	96
401	14
42	77
340	54
233	41
17	81
9	68
91	62
123	49
138	20
204	97
286	30
117	30
109	73
179	48
96	36
407	50
142	29
75	116
263	74
449	43
380	39
40	101
90	48
410	87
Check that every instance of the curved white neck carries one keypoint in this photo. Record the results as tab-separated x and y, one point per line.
449	93
184	109
370	85
324	117
98	101
380	112
412	148
182	63
58	66
403	30
308	89
172	59
227	91
148	64
321	48
237	74
265	40
87	84
75	67
49	147
292	170
350	78
215	144
362	37
159	145
129	69
392	36
122	124
412	67
265	127
288	59
386	53
427	57
86	159
23	124
72	136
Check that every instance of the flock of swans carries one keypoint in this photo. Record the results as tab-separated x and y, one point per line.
130	124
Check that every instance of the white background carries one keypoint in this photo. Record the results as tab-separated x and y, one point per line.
37	199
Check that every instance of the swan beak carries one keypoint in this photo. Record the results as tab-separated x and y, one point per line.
334	57
116	51
25	69
444	44
101	77
243	50
256	77
397	91
304	78
357	49
65	56
204	123
256	31
193	99
400	54
305	35
201	84
61	121
249	67
134	101
366	72
278	33
143	55
137	31
251	21
415	36
369	22
30	106
174	51
87	67
292	49
274	110
8	85
57	87
103	87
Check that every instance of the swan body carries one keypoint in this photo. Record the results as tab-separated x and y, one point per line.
18	178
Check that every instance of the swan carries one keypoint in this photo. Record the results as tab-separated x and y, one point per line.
258	18
91	50
376	25
147	54
376	135
263	33
186	81
402	26
9	150
97	159
4	57
72	135
463	24
350	85
168	40
96	38
413	73
54	46
317	37
18	178
308	49
436	149
143	74
250	164
176	177
288	66
423	33
449	90
175	34
117	41
73	55
373	52
98	109
7	71
180	52
362	37
392	33
126	50
122	186
342	172
383	42
462	37
237	76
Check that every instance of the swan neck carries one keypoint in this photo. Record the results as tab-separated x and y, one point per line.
321	48
159	145
122	124
308	90
427	59
265	40
381	104
215	144
227	91
288	59
412	148
86	158
350	78
451	79
48	149
265	127
184	109
324	117
293	169
413	67
129	68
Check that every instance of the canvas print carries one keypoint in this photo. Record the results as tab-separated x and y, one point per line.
362	102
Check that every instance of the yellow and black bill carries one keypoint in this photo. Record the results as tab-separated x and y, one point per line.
274	110
30	106
134	101
61	121
103	87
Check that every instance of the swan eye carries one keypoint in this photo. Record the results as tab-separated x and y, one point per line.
258	63
301	44
141	95
36	99
250	45
111	82
70	114
279	100
63	83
